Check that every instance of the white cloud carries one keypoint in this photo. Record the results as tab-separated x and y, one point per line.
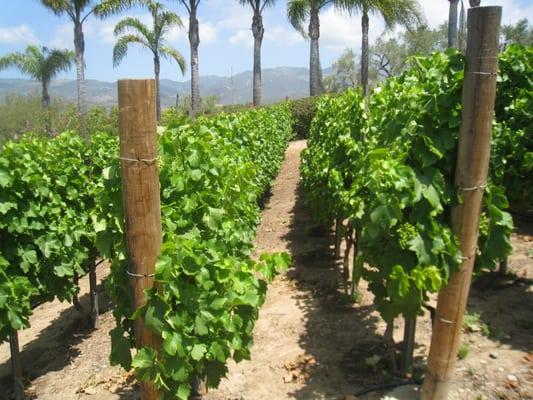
281	35
21	34
63	37
340	30
208	32
242	37
436	12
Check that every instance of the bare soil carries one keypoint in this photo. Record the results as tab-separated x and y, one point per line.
310	341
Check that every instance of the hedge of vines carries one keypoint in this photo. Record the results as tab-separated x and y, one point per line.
512	160
387	170
212	175
61	206
47	220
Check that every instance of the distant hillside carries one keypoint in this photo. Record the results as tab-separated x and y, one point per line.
277	84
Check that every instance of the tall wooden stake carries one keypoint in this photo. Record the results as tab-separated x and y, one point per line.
140	190
338	235
16	366
479	90
408	347
93	285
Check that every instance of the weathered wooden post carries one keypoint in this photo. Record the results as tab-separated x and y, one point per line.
479	91
408	347
16	366
140	191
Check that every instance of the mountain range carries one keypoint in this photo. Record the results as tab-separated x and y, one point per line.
277	83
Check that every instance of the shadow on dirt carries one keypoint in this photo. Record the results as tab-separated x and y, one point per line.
494	295
55	346
341	339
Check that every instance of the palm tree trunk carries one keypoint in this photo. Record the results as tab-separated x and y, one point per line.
45	100
157	70
364	51
79	46
46	106
194	41
258	31
314	61
452	24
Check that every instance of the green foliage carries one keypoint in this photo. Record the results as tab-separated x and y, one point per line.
463	351
520	33
512	158
212	173
40	63
303	112
472	323
173	118
345	73
20	115
54	216
47	220
389	171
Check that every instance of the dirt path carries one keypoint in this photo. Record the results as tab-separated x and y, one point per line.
310	342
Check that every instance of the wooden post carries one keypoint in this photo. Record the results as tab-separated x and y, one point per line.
95	312
479	90
408	344
16	366
338	229
503	267
140	191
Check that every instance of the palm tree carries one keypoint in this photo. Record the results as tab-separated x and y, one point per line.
78	11
395	12
298	12
152	39
258	31
42	64
194	42
452	24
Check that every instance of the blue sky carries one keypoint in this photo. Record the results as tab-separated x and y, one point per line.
226	38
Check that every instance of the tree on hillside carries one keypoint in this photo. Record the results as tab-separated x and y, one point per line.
387	57
344	74
405	13
390	57
258	31
152	39
42	64
298	12
194	42
79	11
520	33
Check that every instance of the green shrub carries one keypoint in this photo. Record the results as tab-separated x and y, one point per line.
303	111
173	117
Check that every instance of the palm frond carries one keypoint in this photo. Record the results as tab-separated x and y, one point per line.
406	13
58	7
58	61
169	19
121	47
105	8
171	53
134	24
15	60
297	13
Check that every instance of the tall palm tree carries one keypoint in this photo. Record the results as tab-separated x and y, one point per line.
405	13
258	30
152	39
78	11
42	64
298	11
452	24
194	42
